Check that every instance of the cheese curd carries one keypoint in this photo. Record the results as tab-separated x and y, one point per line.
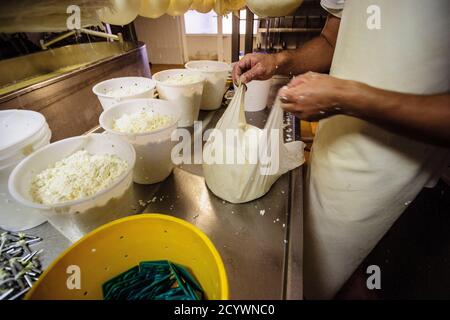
78	176
141	122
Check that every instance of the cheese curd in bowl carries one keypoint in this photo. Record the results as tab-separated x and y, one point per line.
148	125
79	183
141	122
75	177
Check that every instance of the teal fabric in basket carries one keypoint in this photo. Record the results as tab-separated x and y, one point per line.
153	280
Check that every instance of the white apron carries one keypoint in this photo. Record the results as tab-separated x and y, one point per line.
362	177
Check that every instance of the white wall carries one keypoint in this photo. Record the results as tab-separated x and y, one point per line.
206	47
167	43
163	38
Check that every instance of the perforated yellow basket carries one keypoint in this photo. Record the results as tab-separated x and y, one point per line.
122	244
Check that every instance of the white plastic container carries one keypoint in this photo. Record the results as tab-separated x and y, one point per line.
113	91
257	95
215	74
75	218
22	132
185	96
153	149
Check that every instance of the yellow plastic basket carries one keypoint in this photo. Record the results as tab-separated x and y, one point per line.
122	244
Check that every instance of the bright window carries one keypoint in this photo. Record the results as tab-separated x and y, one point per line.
200	23
206	23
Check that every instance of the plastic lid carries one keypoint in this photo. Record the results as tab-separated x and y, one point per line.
17	126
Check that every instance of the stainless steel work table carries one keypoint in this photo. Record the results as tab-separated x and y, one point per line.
262	253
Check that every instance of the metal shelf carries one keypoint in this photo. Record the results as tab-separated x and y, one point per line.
289	30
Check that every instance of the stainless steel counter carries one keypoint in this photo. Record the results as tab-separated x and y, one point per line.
262	253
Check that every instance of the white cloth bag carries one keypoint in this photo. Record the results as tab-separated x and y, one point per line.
240	182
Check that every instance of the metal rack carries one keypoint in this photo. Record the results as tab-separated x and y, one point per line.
276	34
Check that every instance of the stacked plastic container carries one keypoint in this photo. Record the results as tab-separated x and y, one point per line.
22	132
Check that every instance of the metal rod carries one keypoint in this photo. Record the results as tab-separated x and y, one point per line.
105	35
250	17
117	37
57	39
290	30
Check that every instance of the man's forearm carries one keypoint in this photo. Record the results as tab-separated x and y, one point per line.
424	117
315	55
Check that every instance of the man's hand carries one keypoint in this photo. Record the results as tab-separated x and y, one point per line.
254	66
314	96
316	55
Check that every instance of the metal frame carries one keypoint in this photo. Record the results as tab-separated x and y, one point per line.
249	19
113	37
235	38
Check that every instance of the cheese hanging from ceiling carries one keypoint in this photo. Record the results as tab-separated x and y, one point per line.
121	13
153	8
273	8
224	7
178	7
203	6
234	5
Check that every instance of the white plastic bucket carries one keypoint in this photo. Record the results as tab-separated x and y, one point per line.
185	96
75	218
125	88
215	74
153	149
257	95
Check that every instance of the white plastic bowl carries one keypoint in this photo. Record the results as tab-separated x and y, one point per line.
216	74
153	149
140	87
74	218
186	96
